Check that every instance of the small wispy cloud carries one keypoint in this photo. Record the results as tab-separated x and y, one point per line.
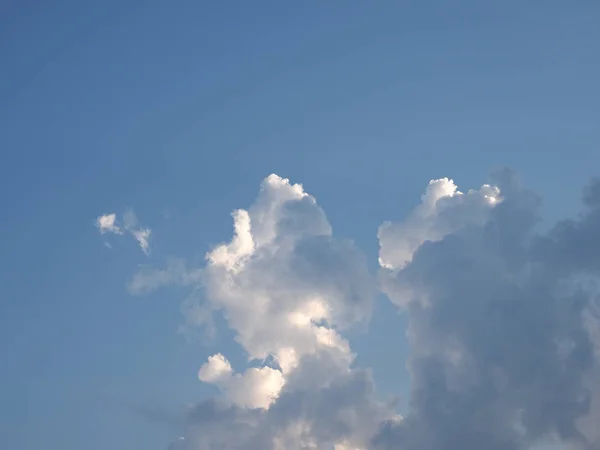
108	223
142	235
148	279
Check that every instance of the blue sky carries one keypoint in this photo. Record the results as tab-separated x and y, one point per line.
177	111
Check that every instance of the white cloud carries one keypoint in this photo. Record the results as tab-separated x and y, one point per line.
255	388
108	224
217	368
142	235
287	289
443	210
283	280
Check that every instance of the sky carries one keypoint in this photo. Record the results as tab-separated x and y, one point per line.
299	225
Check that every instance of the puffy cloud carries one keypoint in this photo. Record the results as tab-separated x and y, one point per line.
256	388
443	210
284	283
287	289
108	224
501	355
233	255
342	415
179	444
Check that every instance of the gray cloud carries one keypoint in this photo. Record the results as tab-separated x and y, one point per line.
500	353
302	418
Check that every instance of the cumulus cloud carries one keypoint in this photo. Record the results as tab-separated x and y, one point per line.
340	416
443	210
284	283
108	224
256	388
503	325
287	289
501	356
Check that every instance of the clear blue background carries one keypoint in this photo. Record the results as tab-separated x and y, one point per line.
178	109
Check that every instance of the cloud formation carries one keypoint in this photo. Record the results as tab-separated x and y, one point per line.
443	210
107	223
504	325
255	388
501	357
287	288
283	281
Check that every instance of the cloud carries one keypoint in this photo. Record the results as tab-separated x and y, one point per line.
180	443
108	224
283	281
443	210
503	325
287	288
142	235
256	388
501	357
339	416
149	279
